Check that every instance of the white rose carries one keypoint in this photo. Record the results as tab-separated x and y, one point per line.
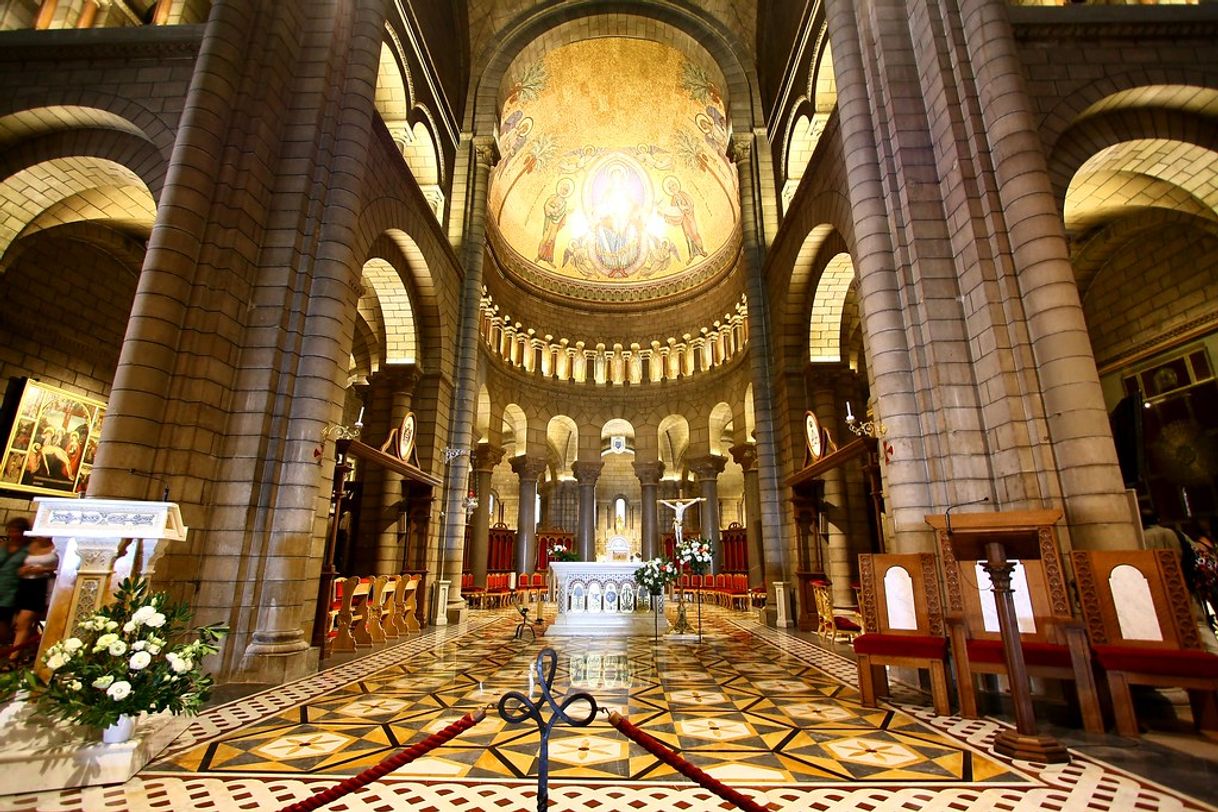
119	690
141	615
118	648
156	620
138	645
102	683
105	641
129	627
154	649
111	625
180	665
75	685
73	644
57	660
139	660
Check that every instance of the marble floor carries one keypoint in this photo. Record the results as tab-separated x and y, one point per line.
770	713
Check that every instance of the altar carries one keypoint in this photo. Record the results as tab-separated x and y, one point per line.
601	598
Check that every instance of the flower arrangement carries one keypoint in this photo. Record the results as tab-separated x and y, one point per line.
129	657
655	574
561	552
694	553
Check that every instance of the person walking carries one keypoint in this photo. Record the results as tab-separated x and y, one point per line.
33	589
12	556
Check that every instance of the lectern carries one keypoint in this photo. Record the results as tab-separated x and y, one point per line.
996	540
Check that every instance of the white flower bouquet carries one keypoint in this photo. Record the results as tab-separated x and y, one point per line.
655	574
560	552
694	553
134	655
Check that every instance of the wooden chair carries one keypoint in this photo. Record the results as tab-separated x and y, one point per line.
1054	642
410	596
349	613
389	608
831	624
738	592
903	615
368	628
1140	621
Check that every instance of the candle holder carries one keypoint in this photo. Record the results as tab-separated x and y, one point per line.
864	428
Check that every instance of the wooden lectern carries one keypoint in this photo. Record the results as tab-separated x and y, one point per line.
997	540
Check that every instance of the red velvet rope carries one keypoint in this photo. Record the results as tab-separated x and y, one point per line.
657	748
388	765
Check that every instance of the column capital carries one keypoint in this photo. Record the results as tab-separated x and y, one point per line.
528	468
708	467
485	457
485	151
586	473
649	473
398	377
742	146
745	455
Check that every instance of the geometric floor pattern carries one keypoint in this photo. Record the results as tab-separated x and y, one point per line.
775	717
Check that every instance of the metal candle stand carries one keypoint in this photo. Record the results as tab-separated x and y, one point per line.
516	708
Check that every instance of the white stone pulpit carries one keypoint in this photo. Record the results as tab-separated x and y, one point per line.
99	541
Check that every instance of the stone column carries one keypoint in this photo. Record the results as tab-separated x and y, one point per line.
1087	472
397	386
481	153
649	474
528	469
889	356
707	469
752	219
486	457
745	455
586	474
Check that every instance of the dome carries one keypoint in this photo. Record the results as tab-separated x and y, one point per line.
613	183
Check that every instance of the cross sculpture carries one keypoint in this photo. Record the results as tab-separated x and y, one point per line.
679	506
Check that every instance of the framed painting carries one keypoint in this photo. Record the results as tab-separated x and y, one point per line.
51	441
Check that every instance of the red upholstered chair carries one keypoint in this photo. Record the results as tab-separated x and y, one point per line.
903	615
1140	621
719	590
832	623
738	593
1054	643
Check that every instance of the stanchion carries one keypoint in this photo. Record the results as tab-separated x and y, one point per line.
388	765
672	759
516	708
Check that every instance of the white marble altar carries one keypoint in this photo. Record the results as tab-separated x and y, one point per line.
601	598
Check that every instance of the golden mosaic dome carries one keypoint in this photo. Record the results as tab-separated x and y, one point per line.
613	182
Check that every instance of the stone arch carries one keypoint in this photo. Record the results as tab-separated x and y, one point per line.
809	117
404	285
750	415
384	289
825	324
562	439
73	189
720	428
392	97
515	428
673	440
482	416
614	18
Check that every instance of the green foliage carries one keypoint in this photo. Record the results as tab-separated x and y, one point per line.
134	655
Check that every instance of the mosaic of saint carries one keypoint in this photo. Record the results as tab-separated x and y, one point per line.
613	167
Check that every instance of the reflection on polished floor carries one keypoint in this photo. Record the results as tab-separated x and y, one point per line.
762	710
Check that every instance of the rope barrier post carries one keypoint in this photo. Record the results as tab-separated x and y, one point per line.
516	708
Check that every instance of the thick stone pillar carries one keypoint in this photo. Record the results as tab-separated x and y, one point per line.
775	530
586	474
649	474
1089	478
486	457
528	469
707	469
835	504
480	152
745	455
397	387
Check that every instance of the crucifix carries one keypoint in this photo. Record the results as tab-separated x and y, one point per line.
678	506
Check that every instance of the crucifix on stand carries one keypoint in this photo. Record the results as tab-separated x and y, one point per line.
679	506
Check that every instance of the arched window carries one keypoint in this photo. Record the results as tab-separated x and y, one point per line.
619	513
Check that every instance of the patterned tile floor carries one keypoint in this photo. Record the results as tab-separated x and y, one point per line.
767	712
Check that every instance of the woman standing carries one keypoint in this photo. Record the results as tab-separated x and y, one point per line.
33	588
12	556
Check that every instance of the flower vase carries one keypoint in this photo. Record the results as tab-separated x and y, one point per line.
120	731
